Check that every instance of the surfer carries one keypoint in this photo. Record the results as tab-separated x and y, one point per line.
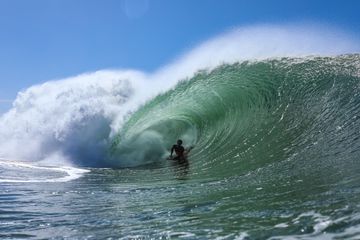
179	150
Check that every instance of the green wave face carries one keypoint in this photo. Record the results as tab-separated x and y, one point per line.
248	115
276	151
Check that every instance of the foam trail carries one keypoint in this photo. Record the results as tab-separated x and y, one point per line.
69	173
72	121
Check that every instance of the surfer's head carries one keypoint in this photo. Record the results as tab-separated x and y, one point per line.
179	142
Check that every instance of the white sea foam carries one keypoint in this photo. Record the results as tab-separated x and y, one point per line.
69	173
72	121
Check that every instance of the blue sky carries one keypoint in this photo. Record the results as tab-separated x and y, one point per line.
42	40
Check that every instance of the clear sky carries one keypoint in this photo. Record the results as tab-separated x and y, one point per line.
42	40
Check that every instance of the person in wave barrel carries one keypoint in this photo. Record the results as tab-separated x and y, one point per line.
179	151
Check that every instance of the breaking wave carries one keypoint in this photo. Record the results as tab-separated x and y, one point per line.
250	93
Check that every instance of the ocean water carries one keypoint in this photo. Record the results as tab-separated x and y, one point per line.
275	152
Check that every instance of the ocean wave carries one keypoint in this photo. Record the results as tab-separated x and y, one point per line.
227	84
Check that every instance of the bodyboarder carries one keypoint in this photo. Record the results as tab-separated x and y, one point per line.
179	151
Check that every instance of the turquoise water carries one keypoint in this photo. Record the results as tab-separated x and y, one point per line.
276	156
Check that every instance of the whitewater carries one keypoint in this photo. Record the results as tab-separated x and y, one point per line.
272	113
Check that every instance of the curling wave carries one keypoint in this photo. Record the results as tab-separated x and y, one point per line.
243	116
235	97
